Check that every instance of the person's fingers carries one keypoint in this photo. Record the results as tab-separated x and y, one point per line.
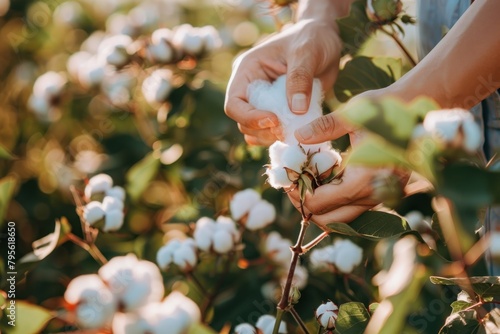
299	80
322	129
266	136
257	141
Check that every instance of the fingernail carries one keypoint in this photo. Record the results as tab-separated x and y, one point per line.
305	133
266	123
299	103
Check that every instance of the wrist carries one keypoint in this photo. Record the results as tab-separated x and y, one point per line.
326	11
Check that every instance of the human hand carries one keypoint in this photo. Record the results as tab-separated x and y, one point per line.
307	50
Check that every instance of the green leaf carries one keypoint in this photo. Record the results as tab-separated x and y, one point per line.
5	154
201	329
470	186
364	73
353	318
373	152
373	307
7	187
372	225
355	28
43	247
459	305
388	117
484	286
38	318
140	175
462	322
420	106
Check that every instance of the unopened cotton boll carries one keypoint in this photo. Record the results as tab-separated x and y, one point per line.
188	39
245	329
347	255
278	248
266	324
157	87
95	304
99	183
454	127
133	282
93	212
327	314
242	202
113	220
264	95
114	50
261	214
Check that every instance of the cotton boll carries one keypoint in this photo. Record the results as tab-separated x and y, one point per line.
472	135
300	277
324	161
266	324
347	255
227	224
278	178
322	258
245	329
160	50
157	87
49	85
40	105
161	35
129	323
242	202
179	301
120	24
93	212
113	220
261	214
134	282
293	157
117	87
278	248
165	255
416	220
276	151
111	203
92	72
188	39
95	304
185	256
91	44
114	50
75	61
327	314
99	183
210	37
272	97
116	192
69	13
203	233
222	241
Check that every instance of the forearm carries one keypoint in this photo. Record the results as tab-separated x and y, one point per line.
324	10
464	67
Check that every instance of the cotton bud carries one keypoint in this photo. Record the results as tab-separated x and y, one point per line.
188	39
261	214
347	255
495	246
114	50
93	212
417	221
245	329
160	49
99	183
113	220
327	314
324	161
278	248
242	202
116	192
182	253
454	127
383	11
94	303
133	282
157	87
266	324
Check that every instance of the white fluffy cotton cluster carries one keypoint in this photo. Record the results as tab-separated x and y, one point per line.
343	255
46	95
182	253
453	127
327	314
264	325
157	87
196	40
278	250
254	212
289	156
417	221
219	235
125	283
110	210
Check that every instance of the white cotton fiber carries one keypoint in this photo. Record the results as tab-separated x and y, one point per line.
268	96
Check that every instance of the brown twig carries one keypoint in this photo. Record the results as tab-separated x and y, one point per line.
403	48
90	248
298	319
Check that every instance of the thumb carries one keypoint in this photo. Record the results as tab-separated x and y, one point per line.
322	129
299	82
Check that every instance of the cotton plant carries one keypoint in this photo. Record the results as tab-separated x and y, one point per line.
342	256
289	160
105	207
182	253
219	236
327	314
248	208
265	325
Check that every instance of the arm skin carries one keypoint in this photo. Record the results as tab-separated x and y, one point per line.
293	52
460	71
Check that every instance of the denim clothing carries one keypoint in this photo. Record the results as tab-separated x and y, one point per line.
435	18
